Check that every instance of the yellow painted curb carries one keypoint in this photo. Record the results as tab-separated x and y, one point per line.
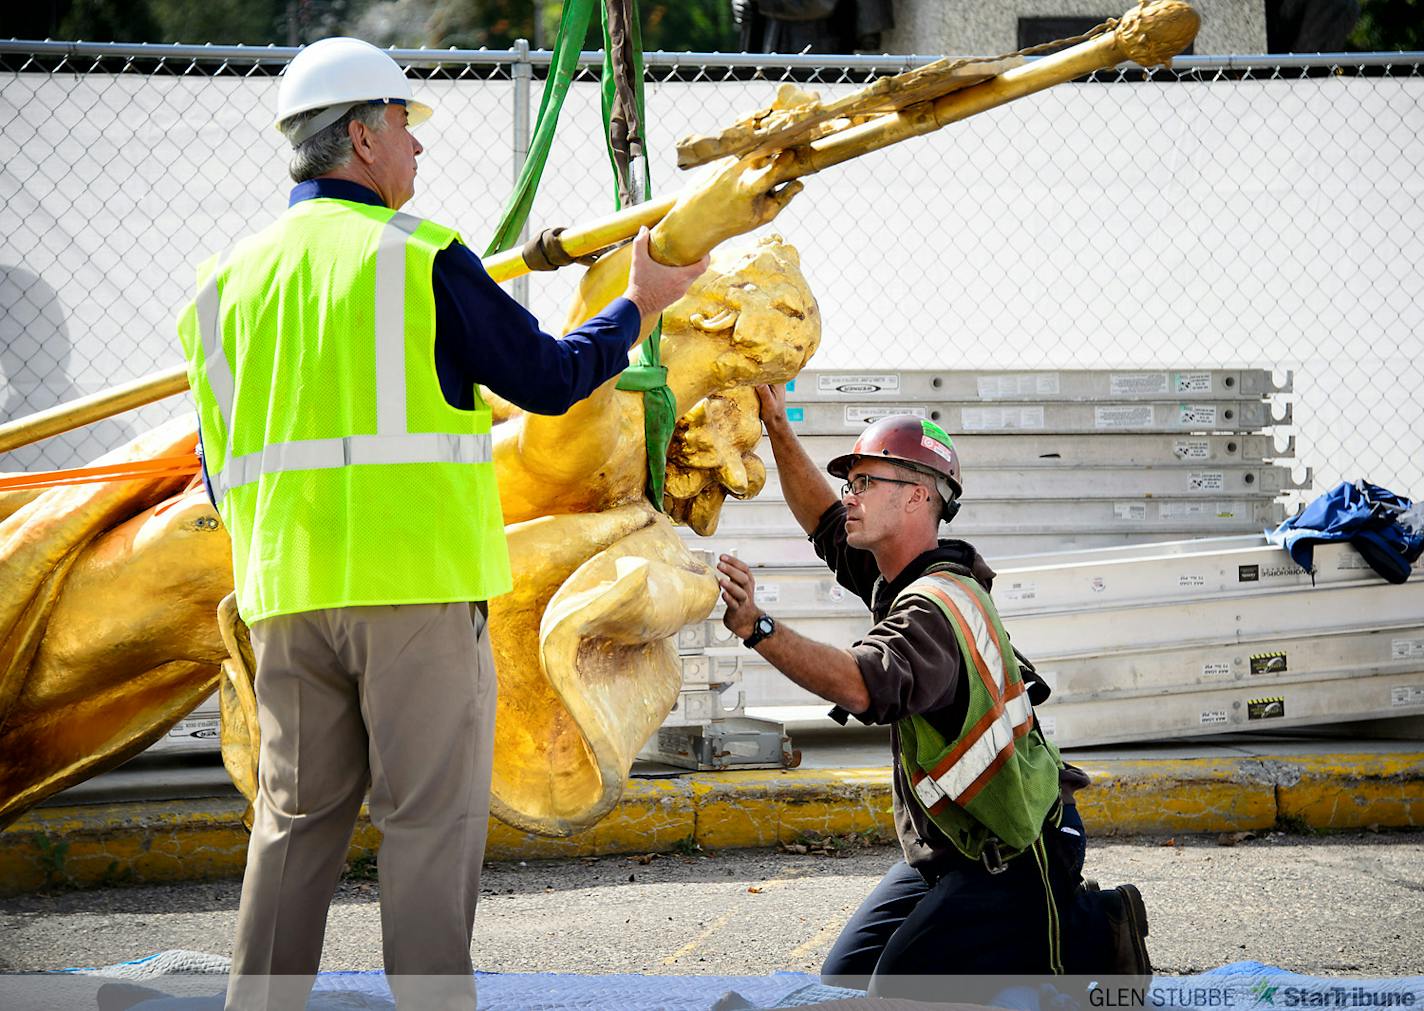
1177	795
766	808
197	839
1355	791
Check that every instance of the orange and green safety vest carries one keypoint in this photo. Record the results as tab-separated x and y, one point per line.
997	779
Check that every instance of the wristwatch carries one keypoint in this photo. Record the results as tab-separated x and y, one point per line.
764	627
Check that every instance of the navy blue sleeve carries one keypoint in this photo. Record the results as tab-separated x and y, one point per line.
203	465
482	335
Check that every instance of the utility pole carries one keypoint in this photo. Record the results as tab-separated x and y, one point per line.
539	24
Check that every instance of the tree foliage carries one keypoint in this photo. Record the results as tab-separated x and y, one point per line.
678	25
222	22
108	21
1389	25
683	25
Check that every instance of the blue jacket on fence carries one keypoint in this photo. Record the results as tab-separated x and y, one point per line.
1364	514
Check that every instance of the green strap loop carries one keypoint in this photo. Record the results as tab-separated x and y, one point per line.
648	377
623	65
573	26
641	378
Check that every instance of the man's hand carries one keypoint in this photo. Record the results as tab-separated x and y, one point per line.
653	286
739	594
772	400
831	673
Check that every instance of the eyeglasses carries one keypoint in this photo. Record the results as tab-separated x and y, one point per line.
859	484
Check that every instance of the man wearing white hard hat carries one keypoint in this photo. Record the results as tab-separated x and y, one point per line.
335	358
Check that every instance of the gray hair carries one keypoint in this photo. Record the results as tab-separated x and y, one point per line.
330	147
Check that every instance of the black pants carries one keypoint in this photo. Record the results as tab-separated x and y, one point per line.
1031	919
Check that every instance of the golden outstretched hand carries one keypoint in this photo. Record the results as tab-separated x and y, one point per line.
731	197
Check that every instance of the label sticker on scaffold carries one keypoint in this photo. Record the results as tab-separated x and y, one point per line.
1266	709
853	386
1269	663
200	727
1136	384
1191	382
1406	695
1206	480
856	417
1136	416
1013	387
1406	649
990	419
1196	414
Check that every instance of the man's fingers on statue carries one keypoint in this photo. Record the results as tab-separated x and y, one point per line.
772	400
734	592
733	566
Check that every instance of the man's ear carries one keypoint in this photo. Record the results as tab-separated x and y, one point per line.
360	135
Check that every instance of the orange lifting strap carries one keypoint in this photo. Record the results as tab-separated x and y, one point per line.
163	466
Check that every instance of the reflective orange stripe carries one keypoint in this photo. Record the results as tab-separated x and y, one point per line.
1013	689
968	633
984	777
134	470
966	741
991	625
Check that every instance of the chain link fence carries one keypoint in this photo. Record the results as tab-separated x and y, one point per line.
1230	212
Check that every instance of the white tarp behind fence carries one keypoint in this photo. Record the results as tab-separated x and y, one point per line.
1272	220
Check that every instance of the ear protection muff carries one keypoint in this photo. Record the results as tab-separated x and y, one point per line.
951	510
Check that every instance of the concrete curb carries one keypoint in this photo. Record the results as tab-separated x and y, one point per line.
202	839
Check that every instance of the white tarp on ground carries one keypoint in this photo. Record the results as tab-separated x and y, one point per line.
1235	223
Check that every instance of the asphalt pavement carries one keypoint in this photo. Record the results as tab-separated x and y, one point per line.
1346	904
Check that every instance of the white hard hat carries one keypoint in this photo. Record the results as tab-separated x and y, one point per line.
338	74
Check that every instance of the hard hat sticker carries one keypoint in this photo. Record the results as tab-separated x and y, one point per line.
937	448
933	431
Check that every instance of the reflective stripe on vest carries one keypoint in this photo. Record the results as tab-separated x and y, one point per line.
393	443
321	454
962	773
215	364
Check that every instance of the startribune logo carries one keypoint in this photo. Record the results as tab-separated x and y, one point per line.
1265	993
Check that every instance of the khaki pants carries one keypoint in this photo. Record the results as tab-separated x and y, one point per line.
400	698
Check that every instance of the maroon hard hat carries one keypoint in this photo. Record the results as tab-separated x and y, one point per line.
916	443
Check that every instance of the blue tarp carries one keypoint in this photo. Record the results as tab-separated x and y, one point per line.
1246	986
1365	515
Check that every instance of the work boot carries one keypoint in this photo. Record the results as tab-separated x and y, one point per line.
1127	929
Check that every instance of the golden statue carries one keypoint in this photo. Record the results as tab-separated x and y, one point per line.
583	646
602	581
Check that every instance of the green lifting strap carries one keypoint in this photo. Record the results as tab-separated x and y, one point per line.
624	116
573	26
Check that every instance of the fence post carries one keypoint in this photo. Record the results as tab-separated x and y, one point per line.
523	76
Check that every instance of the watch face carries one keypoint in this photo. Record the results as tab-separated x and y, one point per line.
765	625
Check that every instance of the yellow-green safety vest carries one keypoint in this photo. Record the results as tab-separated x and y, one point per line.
342	474
997	779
